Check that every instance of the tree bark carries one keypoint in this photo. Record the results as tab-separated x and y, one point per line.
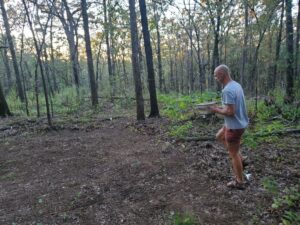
159	61
53	74
20	90
69	27
216	28
94	94
297	44
154	112
4	109
290	50
39	60
245	43
8	84
108	49
135	62
278	44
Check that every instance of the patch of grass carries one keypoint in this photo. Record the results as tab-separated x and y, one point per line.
176	107
183	219
270	185
8	176
179	131
287	203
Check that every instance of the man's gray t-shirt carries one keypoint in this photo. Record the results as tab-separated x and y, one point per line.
233	94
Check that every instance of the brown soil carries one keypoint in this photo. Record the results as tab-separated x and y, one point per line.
123	172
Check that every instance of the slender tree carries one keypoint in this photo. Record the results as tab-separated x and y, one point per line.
245	42
135	63
158	52
278	45
154	112
12	51
290	52
216	29
4	109
93	86
6	63
297	44
70	25
108	48
39	58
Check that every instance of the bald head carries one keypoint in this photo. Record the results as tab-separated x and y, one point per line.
222	74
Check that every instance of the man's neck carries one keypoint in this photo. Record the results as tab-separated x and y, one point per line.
226	81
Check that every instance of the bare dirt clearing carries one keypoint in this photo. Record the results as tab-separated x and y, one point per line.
124	172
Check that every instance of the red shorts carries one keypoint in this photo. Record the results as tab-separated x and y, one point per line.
233	135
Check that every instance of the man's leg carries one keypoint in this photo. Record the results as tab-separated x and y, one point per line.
220	136
233	149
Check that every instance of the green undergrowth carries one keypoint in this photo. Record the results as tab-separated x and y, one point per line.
286	202
177	107
183	219
68	105
265	122
180	108
269	119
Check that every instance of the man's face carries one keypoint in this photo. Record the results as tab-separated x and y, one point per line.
219	76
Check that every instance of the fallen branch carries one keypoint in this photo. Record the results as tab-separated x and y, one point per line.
213	138
188	139
279	132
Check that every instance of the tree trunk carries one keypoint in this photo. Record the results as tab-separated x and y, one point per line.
125	77
200	63
160	71
297	44
278	44
12	51
53	74
70	31
290	50
245	44
108	49
39	60
21	68
154	112
8	84
94	94
135	62
216	58
4	109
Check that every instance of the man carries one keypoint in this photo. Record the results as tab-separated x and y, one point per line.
235	121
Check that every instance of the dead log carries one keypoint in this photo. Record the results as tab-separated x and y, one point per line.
278	132
204	138
213	138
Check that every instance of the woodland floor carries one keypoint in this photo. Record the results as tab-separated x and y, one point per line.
122	172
